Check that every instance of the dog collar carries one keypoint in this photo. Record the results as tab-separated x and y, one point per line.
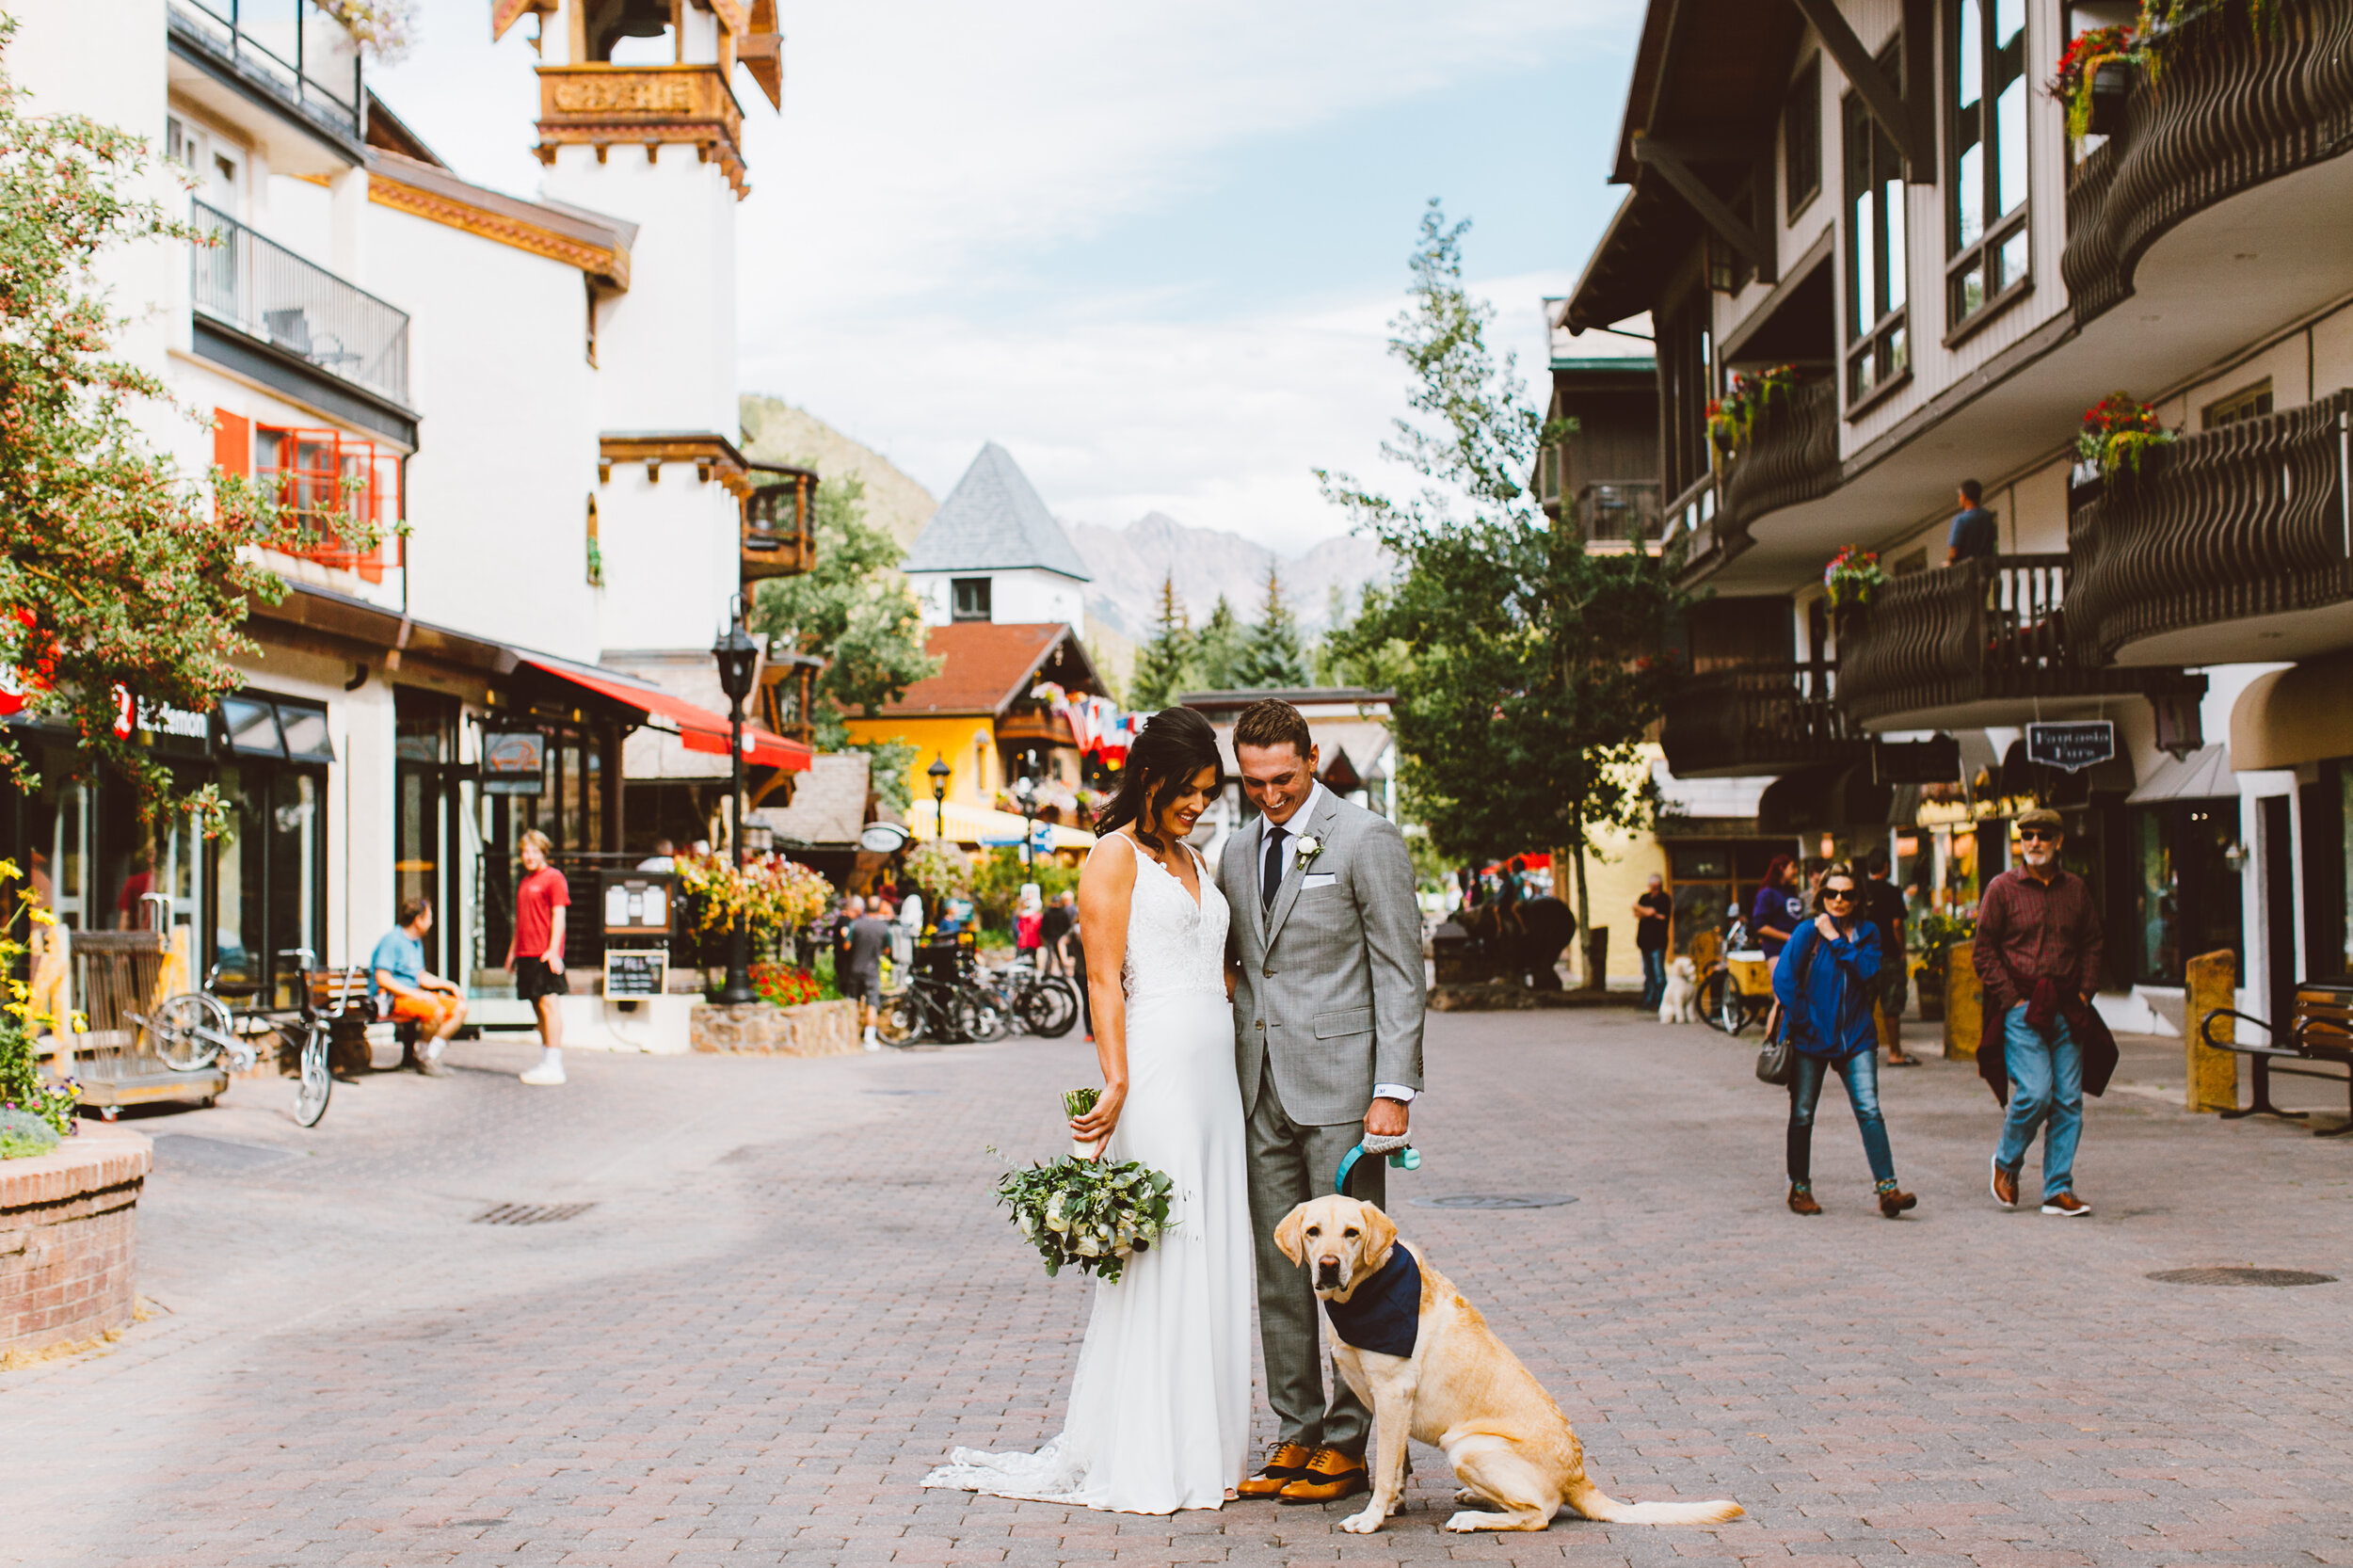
1383	1312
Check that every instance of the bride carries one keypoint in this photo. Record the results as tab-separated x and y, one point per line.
1160	1409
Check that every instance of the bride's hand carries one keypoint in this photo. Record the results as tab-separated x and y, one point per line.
1096	1125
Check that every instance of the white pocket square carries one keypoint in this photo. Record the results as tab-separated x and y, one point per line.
1317	879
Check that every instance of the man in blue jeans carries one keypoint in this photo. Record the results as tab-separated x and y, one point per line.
1651	912
2038	954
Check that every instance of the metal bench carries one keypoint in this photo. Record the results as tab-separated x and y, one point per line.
2319	1029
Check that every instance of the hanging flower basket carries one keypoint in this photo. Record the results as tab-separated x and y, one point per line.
1854	575
2118	435
1731	418
2094	76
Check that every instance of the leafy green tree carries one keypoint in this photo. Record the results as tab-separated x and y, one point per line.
853	610
120	580
1164	664
1217	650
1536	668
1274	653
1341	662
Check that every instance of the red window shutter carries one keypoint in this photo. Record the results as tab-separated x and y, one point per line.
232	442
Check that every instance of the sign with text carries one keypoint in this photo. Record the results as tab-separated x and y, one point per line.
2071	747
513	762
637	906
637	973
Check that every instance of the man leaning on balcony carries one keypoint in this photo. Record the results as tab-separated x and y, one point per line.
1974	534
2038	955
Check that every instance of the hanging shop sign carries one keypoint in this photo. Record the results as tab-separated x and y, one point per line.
513	762
2071	747
882	837
1934	760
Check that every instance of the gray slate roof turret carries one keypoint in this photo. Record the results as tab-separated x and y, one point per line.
993	521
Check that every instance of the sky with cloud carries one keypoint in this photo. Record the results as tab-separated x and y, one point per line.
1152	248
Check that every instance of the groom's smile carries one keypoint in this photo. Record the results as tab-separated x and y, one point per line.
1277	779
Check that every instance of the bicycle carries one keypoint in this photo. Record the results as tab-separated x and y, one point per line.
193	1028
942	1001
1043	1005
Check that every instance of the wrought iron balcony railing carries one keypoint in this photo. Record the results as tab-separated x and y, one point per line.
291	49
2245	521
1968	644
2238	106
267	292
1758	719
1620	511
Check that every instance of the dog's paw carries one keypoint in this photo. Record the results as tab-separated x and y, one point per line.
1468	1498
1363	1524
1468	1521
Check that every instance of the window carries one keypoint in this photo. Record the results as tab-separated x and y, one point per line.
2248	402
2187	897
968	597
596	549
332	483
1985	159
1802	139
1878	345
590	289
1687	384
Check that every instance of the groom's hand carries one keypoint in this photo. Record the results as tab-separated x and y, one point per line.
1386	1119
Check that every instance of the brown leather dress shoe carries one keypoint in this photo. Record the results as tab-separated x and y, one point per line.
1801	1201
2005	1185
1284	1465
1331	1474
1893	1204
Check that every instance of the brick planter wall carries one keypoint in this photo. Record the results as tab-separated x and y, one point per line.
757	1028
68	1231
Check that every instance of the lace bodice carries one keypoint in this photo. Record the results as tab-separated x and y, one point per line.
1175	947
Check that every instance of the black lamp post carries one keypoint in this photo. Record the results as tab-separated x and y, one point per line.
939	772
1025	795
737	652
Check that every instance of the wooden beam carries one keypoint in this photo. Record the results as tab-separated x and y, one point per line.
1920	86
1663	157
1878	94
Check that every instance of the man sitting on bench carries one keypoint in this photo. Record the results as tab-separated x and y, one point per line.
403	991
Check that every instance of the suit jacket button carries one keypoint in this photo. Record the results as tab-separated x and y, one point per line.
1269	974
1258	1023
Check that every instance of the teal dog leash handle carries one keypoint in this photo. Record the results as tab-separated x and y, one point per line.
1406	1159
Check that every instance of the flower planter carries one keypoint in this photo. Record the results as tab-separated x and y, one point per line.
759	1029
68	1234
2111	84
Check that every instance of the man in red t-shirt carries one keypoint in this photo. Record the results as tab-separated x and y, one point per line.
536	956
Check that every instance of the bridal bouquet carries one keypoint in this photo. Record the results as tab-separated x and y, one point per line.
1087	1212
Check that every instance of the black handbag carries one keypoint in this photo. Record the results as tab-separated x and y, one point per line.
1776	1061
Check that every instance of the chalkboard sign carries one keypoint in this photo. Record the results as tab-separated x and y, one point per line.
513	762
637	973
2071	747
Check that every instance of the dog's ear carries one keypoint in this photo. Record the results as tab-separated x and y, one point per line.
1380	1235
1287	1233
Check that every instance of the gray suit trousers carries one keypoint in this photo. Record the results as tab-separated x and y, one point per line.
1288	1165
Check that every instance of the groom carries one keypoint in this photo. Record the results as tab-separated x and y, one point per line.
1327	1036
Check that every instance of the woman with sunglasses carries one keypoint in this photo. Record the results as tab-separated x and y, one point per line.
1826	982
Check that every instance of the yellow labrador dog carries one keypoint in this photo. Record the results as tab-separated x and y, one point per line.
1426	1366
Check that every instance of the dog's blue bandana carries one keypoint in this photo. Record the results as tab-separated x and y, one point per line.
1383	1313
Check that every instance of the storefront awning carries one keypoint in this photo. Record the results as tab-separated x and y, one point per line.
2203	775
2285	718
698	729
978	824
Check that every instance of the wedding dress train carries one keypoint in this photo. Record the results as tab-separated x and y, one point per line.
1160	1409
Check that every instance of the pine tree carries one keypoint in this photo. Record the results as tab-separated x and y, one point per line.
1274	653
1218	647
1164	664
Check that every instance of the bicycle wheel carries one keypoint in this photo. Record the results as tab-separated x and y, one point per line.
1731	1009
181	1026
899	1021
1050	1007
977	1015
317	1083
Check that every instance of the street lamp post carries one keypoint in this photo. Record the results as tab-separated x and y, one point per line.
939	772
1025	794
736	653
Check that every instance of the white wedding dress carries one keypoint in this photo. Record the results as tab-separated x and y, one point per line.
1160	1410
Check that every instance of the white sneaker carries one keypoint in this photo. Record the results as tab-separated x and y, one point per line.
543	1076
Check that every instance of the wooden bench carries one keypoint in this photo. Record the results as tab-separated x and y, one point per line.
2319	1029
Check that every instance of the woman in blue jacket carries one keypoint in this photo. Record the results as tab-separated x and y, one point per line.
1826	980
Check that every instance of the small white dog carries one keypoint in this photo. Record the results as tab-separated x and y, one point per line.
1680	1005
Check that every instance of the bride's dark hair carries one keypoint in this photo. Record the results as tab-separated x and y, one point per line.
1177	743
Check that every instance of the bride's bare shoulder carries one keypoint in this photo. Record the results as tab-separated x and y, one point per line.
1110	864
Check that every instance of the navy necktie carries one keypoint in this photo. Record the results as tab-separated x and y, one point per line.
1271	875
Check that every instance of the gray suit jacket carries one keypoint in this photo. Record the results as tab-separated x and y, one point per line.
1330	978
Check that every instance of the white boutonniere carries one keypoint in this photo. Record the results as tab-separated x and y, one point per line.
1309	846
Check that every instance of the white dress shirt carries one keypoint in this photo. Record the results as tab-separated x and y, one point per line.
1301	817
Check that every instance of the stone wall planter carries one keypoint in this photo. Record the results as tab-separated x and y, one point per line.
68	1234
758	1028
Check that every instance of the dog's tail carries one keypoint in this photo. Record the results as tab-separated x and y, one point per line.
1590	1501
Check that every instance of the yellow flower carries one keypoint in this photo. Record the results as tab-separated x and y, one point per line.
81	1024
9	871
19	989
41	915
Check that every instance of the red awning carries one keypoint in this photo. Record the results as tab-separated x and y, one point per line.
1528	862
700	728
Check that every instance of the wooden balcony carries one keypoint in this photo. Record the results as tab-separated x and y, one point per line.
2237	107
1985	642
779	536
2228	546
1758	719
1791	456
646	106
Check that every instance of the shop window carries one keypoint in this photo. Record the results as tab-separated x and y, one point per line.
337	489
1879	342
2186	901
596	549
1985	155
2248	402
269	881
970	597
1801	140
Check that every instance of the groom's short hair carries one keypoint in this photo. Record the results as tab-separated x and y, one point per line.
1268	723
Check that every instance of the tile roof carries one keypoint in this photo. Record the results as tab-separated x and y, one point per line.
828	802
985	666
993	521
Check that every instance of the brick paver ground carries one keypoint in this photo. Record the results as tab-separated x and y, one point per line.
792	1296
